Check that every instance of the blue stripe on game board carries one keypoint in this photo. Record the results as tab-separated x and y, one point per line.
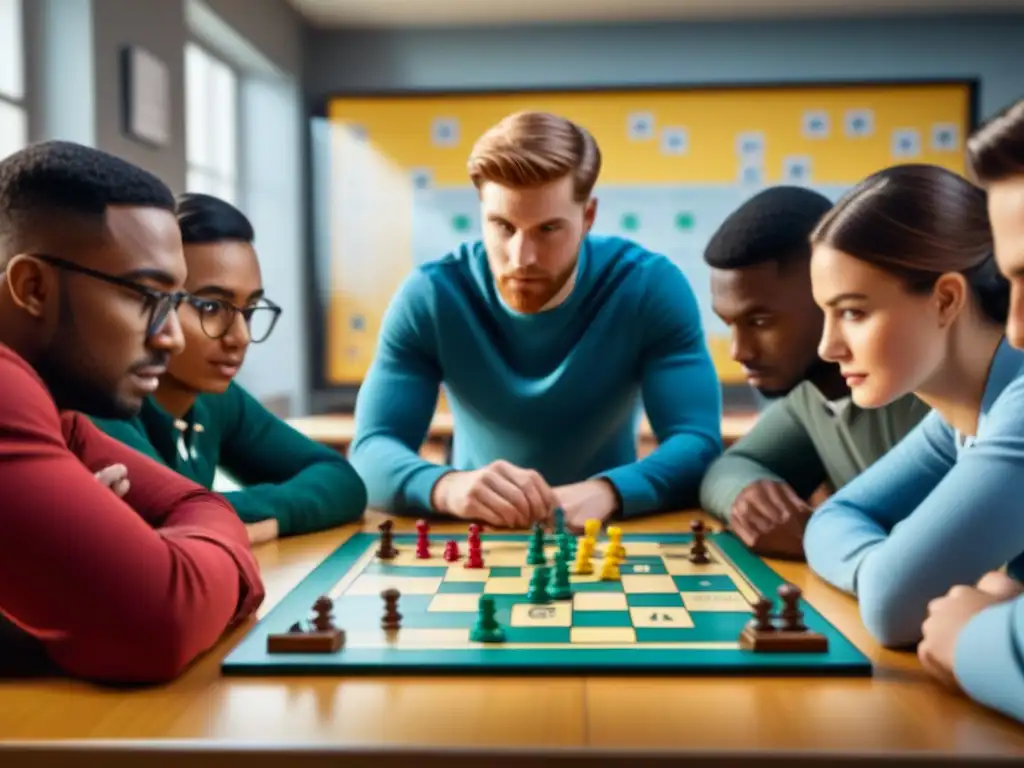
597	586
711	583
717	625
461	587
659	600
601	619
670	635
538	634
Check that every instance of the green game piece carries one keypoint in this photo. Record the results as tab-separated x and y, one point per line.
559	587
535	553
538	591
559	524
567	546
460	222
486	629
630	222
684	221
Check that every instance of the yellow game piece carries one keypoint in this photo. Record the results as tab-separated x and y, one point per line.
591	528
610	569
615	548
584	551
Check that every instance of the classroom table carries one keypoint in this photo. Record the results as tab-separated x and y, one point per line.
338	429
411	721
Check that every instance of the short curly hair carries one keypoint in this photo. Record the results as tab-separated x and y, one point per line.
52	183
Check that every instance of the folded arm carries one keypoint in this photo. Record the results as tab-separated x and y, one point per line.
681	394
989	658
305	486
128	590
396	404
777	448
919	521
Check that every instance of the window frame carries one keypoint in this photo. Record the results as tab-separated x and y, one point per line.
215	180
18	102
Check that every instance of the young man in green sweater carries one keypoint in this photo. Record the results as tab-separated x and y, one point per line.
199	420
812	435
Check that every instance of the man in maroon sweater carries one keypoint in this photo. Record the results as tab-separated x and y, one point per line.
116	575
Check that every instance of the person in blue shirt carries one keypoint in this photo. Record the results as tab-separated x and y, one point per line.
986	621
903	268
546	339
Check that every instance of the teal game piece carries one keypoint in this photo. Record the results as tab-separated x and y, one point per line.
560	587
535	554
559	522
487	629
538	591
681	618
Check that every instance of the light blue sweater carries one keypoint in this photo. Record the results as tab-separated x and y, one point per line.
937	511
558	391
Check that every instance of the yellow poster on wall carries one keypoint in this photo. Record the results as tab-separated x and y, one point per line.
675	164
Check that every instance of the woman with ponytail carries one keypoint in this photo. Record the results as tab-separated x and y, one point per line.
904	270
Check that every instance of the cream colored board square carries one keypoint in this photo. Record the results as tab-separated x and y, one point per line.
509	586
660	618
553	615
646	584
599	601
374	584
723	602
634	548
461	574
454	603
411	639
509	556
603	635
680	566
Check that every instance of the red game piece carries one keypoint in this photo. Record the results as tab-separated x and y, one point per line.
422	542
451	551
475	559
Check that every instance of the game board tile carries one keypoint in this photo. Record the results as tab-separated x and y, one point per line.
723	602
658	599
659	617
506	572
460	574
461	588
647	635
601	619
635	548
646	584
358	612
600	601
528	636
438	637
407	557
595	586
705	583
518	586
374	585
454	603
505	557
717	626
603	635
552	615
680	566
653	566
415	571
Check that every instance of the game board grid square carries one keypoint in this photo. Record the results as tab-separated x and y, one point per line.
711	583
601	601
601	619
461	587
597	586
720	602
506	572
657	618
653	566
647	584
656	600
405	571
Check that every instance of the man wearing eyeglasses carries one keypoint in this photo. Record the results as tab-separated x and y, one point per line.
103	579
200	419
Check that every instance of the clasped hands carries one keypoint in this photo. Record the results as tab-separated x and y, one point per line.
502	495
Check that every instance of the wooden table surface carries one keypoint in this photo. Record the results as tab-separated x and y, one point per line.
689	720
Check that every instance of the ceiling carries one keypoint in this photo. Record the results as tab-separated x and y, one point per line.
417	13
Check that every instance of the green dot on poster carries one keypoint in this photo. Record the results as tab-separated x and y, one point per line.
630	222
684	221
460	223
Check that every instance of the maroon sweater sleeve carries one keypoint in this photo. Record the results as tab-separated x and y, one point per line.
116	590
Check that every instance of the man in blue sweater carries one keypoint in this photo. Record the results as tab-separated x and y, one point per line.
546	339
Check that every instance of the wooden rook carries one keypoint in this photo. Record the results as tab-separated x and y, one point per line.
387	549
787	635
392	619
699	549
320	636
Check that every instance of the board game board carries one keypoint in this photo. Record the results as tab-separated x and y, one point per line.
664	613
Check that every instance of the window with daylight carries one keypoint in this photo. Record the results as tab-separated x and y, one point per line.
211	124
13	120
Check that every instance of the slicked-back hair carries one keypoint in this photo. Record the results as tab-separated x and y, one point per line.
204	219
774	225
56	184
996	150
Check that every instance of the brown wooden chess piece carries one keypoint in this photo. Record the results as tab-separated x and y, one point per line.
790	635
699	549
392	619
386	550
322	636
